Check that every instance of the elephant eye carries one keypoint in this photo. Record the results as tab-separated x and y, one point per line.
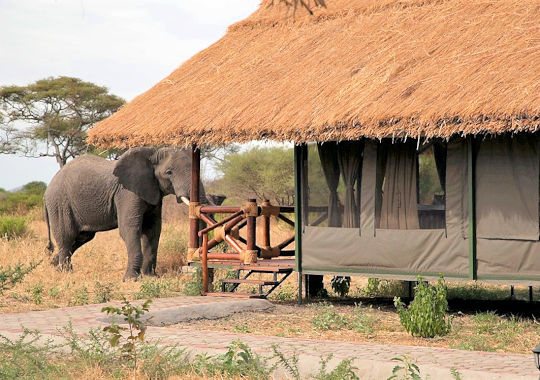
168	172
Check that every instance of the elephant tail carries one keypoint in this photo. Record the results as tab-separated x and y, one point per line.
50	245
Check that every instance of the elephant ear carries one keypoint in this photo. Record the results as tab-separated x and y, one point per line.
135	171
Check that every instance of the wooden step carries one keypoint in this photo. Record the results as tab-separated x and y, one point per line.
235	295
248	281
262	269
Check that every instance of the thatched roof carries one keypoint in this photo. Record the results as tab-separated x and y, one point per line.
358	68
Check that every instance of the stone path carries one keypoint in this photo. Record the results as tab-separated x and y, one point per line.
373	360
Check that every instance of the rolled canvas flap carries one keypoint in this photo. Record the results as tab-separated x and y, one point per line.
507	181
367	184
456	188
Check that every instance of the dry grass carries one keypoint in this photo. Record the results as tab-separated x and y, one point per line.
357	68
98	267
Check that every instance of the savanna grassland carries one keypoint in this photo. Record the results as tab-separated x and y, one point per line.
98	268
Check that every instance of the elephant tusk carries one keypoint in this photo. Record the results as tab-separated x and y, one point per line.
185	200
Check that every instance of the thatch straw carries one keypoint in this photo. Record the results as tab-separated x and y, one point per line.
358	68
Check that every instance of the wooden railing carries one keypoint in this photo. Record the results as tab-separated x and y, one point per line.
244	250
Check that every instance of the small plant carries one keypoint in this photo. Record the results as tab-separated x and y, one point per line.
28	357
406	370
54	292
244	329
456	375
285	292
343	371
103	292
12	227
290	365
361	321
341	285
37	292
80	297
193	287
136	329
328	318
426	314
11	276
151	288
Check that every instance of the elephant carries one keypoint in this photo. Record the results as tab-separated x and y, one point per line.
91	194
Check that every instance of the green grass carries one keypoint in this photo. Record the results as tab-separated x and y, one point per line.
13	227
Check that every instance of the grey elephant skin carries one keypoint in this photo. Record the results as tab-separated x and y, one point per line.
91	194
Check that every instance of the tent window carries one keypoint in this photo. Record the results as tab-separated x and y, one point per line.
410	185
333	179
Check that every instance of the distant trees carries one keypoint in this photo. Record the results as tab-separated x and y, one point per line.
56	114
261	172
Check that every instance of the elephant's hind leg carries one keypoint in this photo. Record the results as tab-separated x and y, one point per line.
83	238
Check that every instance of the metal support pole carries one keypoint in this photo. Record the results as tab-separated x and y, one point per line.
471	189
194	199
299	153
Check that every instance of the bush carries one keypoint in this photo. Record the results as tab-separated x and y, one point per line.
426	315
341	285
193	287
329	319
23	200
153	289
11	276
12	227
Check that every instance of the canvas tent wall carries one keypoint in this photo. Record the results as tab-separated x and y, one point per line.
507	244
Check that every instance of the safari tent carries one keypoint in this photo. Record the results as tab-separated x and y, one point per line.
421	116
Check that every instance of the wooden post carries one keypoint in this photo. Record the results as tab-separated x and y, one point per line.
194	200
265	227
204	259
251	229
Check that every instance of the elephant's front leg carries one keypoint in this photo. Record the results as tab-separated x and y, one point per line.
130	226
150	241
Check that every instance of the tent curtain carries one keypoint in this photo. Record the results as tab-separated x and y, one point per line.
439	152
507	172
328	155
382	156
399	209
349	159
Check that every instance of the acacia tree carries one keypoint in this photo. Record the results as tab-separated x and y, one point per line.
57	113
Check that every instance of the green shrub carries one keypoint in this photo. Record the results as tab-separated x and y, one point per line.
80	297
193	287
383	288
426	315
11	276
28	357
37	294
405	370
341	285
361	321
12	227
153	288
328	318
103	292
343	371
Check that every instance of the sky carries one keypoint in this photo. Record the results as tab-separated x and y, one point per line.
124	45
